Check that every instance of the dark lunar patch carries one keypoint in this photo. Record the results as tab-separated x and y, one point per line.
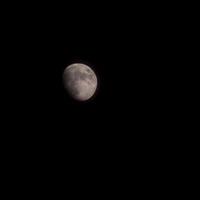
75	91
88	71
81	76
90	76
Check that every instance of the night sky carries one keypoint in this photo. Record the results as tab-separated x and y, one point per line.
128	118
130	99
126	54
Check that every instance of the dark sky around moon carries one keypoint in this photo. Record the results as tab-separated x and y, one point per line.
133	56
131	66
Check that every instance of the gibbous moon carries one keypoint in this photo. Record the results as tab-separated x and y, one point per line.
80	81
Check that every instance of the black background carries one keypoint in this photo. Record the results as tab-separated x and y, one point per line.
127	123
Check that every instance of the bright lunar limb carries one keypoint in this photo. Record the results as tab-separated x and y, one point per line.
80	81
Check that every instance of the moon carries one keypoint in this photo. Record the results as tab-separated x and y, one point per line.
80	81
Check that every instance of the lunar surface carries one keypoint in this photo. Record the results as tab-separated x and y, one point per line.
80	81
